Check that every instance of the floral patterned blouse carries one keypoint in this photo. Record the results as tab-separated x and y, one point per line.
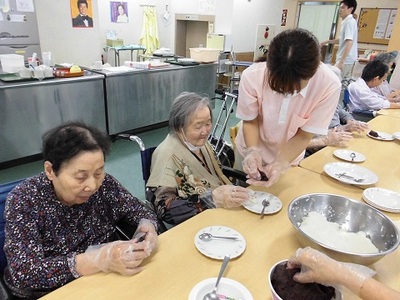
42	235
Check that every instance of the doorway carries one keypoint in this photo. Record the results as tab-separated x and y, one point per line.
191	32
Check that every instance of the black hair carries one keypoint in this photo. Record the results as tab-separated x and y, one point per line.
293	55
66	141
350	3
374	68
82	2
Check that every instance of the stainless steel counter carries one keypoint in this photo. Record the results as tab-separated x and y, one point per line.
143	98
30	108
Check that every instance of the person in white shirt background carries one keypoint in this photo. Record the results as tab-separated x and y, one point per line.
360	93
347	53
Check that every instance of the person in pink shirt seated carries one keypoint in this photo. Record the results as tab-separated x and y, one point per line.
283	103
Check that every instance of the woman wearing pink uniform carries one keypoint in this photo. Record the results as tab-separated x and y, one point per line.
283	103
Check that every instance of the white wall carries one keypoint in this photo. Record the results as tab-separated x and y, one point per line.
236	18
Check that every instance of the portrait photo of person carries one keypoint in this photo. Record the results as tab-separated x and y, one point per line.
119	12
81	10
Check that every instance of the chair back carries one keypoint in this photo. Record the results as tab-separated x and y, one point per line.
145	156
4	190
346	99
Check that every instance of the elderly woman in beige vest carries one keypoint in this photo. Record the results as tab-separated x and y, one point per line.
185	174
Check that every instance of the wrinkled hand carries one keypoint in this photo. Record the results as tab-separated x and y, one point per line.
272	172
150	242
355	126
122	257
338	138
252	163
229	196
318	267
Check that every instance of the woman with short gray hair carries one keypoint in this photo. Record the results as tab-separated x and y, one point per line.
185	174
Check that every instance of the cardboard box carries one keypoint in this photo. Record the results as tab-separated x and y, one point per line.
115	43
12	63
204	55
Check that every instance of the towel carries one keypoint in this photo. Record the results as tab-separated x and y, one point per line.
149	37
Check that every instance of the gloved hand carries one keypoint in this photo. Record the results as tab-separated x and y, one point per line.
123	257
338	138
318	267
150	241
272	173
229	196
252	162
354	126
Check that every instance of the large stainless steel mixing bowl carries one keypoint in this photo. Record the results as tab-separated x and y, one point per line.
352	215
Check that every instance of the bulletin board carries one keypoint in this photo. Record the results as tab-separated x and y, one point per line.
375	25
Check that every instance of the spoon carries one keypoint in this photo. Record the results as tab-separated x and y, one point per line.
352	156
213	294
208	237
264	203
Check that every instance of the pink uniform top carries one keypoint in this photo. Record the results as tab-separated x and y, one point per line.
280	116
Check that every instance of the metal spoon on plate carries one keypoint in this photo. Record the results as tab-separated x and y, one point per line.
213	294
264	203
208	237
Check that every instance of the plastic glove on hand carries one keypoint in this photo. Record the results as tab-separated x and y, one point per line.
272	173
320	268
338	138
122	257
229	196
356	126
252	163
147	230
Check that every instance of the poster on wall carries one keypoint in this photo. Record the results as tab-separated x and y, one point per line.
81	12
119	12
265	33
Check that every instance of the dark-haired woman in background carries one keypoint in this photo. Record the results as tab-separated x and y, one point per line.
61	224
283	103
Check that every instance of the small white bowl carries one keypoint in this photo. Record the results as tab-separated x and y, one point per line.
227	287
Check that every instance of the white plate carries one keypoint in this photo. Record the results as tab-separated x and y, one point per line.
336	168
396	135
255	203
383	136
218	248
346	155
383	199
227	287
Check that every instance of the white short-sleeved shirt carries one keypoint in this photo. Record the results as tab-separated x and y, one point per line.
362	97
281	116
348	31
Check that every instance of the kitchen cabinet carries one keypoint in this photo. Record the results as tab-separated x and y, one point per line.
28	109
143	98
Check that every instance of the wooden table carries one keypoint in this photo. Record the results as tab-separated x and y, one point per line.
176	267
389	112
382	157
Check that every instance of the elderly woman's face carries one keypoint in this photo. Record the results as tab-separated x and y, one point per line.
79	178
199	127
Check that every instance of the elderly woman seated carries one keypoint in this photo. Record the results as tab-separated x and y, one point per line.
185	175
61	223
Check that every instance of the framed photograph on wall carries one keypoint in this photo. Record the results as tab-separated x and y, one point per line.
119	12
81	13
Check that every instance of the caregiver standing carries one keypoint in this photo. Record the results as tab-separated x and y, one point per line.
283	103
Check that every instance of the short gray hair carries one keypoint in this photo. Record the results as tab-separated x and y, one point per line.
183	107
387	57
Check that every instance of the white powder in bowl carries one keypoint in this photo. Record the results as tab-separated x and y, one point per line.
331	234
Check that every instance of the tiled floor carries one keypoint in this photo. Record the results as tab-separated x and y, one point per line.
124	161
